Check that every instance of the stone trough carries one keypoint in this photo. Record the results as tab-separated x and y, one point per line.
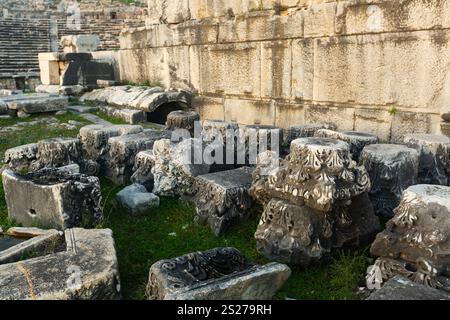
216	274
53	198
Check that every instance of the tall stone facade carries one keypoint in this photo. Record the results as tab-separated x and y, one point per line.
370	66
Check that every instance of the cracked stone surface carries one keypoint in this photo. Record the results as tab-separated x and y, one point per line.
53	198
141	98
216	274
392	169
415	243
86	270
221	198
434	157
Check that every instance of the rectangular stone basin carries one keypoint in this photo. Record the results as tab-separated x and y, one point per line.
7	242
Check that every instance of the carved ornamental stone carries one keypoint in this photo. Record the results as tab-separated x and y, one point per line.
305	131
315	201
222	199
434	157
392	169
216	274
416	241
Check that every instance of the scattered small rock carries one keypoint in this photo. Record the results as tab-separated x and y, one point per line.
21	114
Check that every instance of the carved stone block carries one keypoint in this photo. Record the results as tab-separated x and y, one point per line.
143	169
392	169
19	159
216	274
415	243
122	152
260	138
94	140
318	172
182	120
301	235
176	165
222	199
356	140
53	198
434	157
305	131
56	152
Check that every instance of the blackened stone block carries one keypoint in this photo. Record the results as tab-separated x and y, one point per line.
222	198
434	157
305	131
392	169
19	159
216	274
57	152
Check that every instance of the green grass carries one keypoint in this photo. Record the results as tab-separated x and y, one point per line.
145	239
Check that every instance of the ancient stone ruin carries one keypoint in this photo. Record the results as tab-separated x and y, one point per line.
328	122
216	274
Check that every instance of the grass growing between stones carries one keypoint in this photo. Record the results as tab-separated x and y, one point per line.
169	231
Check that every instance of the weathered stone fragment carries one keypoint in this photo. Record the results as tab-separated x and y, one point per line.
222	198
56	152
415	243
182	120
400	288
38	104
176	165
80	43
216	274
392	169
141	98
305	131
356	140
318	172
128	115
260	138
301	235
3	108
33	241
143	169
315	201
86	270
122	152
53	198
434	157
136	199
19	159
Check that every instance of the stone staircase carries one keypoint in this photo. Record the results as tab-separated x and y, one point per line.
20	42
21	39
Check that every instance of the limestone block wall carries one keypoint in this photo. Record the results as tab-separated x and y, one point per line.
371	65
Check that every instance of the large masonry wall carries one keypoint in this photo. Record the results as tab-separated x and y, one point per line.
378	66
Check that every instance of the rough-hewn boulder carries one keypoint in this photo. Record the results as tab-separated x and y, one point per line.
216	274
392	169
136	199
143	169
